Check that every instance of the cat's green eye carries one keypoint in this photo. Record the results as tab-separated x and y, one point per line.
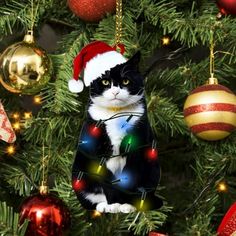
125	82
105	82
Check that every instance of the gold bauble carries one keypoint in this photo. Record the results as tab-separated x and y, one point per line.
24	67
210	112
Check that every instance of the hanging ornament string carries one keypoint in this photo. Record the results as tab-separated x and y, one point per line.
212	80
118	21
33	15
31	22
44	189
118	33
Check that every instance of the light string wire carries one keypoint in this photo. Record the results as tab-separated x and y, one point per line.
81	174
117	115
104	157
118	33
91	157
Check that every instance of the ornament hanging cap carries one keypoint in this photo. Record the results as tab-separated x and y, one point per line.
29	37
95	58
43	188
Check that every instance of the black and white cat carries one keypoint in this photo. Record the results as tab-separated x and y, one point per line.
117	106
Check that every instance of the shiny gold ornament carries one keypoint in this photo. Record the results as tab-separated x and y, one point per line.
24	67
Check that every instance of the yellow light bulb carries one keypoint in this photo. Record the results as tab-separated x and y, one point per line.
222	187
16	125
141	203
165	40
27	115
11	150
99	169
37	100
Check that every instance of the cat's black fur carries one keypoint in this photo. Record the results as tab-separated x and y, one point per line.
145	173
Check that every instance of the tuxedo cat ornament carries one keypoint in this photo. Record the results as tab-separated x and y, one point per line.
116	167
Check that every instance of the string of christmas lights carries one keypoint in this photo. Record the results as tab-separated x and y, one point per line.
121	182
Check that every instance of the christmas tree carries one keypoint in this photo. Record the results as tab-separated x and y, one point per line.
174	37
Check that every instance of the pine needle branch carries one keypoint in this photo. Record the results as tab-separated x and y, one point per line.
140	223
9	222
165	115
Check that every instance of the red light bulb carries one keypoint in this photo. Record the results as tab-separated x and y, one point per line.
78	185
152	154
94	131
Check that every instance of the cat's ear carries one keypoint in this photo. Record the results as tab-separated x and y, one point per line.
134	60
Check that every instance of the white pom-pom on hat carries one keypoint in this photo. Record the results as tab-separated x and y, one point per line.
75	86
95	58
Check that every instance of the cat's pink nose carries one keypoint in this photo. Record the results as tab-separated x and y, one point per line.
115	92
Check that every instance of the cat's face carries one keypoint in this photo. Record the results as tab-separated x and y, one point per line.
119	87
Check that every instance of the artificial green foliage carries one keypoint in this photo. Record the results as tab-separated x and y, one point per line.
9	222
191	168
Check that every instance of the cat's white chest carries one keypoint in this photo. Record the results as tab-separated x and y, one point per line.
116	131
117	128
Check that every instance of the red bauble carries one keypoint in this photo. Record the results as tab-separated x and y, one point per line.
227	6
91	10
48	215
156	234
228	224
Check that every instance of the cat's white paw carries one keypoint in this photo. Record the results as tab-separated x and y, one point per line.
127	208
101	207
113	208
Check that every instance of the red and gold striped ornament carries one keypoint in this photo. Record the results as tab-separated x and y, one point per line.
210	111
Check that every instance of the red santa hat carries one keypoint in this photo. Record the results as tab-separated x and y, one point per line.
95	58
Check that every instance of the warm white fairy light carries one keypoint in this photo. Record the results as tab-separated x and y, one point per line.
16	115
27	115
165	40
10	149
222	187
37	100
16	125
